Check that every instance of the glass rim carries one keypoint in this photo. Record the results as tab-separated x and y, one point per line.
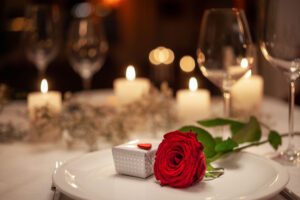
224	10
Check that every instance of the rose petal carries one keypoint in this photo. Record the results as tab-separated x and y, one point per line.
179	161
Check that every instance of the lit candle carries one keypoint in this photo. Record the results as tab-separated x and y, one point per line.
130	88
247	96
193	104
51	99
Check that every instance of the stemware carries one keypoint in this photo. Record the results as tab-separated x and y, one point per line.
225	50
280	45
41	35
87	48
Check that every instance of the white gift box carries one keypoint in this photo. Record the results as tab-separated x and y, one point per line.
131	160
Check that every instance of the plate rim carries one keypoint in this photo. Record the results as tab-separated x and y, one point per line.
60	188
282	175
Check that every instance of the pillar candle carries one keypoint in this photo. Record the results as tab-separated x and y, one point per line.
247	96
130	88
193	103
51	99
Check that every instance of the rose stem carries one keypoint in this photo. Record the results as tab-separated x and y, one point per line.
220	155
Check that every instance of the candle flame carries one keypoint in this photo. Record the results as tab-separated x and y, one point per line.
193	84
44	86
130	73
244	63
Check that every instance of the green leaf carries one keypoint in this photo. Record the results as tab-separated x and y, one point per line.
251	132
225	146
218	140
235	126
204	137
274	139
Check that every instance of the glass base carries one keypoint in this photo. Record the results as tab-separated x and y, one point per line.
289	157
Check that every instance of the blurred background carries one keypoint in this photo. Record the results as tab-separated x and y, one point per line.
158	37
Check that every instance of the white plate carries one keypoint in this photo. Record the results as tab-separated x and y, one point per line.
92	176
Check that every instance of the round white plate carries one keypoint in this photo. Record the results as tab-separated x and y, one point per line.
92	176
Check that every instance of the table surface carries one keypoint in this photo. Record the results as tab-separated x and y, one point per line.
26	169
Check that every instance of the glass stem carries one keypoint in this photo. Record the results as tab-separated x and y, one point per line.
41	74
41	66
227	102
291	114
86	83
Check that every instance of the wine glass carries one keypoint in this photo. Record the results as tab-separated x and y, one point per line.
280	45
225	49
87	48
41	35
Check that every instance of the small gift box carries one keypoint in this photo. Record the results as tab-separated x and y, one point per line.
135	158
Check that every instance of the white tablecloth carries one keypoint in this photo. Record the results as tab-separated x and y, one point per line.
26	169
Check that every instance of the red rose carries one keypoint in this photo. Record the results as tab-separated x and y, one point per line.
179	161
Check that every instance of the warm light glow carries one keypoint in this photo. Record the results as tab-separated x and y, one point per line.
44	86
248	74
187	63
152	58
200	56
17	24
170	58
113	3
244	63
83	26
161	55
193	84
130	73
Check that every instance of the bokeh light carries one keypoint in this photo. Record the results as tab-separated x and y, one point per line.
17	24
187	63
82	10
161	55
